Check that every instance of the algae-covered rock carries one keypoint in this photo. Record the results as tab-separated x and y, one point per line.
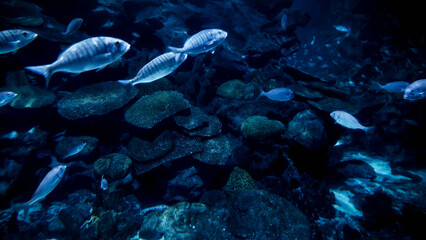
96	99
32	97
67	144
152	109
114	165
232	89
261	128
142	150
217	151
198	123
239	180
307	130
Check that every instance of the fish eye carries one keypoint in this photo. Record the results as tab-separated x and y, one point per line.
117	43
25	34
412	92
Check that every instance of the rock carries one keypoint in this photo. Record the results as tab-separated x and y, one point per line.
21	13
232	89
272	7
162	84
239	180
333	104
217	151
305	92
66	145
261	128
307	130
152	109
186	186
26	142
198	123
355	169
96	99
32	97
9	172
142	150
182	146
115	165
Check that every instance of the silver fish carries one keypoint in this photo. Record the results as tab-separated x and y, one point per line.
49	182
278	94
347	120
416	90
157	68
12	40
89	54
104	183
6	97
342	28
76	149
201	42
73	26
284	22
394	87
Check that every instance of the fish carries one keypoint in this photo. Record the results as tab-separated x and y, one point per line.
284	22
201	42
12	135
104	183
157	68
416	90
394	87
6	97
278	94
342	28
347	120
12	40
86	55
46	186
73	26
76	149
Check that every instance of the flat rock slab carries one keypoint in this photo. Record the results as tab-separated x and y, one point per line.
152	109
96	99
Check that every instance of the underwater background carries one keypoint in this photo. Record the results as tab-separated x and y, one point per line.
297	125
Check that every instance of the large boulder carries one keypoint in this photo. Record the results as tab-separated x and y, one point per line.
198	123
114	165
96	99
307	130
232	89
152	109
261	128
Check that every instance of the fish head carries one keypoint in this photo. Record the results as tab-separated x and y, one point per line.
290	94
119	47
412	94
60	170
219	34
28	36
335	115
10	95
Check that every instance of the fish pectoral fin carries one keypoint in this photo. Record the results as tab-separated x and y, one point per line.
211	42
103	57
99	69
15	43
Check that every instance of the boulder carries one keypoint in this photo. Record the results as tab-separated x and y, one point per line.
232	89
198	123
307	130
261	128
32	97
114	165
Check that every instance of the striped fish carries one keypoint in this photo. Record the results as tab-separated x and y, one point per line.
201	42
12	40
89	54
73	26
347	120
157	68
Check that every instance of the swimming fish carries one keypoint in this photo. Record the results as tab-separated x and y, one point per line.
49	182
201	42
278	94
347	120
86	55
104	183
6	97
342	28
12	40
394	87
157	68
416	90
73	26
76	149
284	22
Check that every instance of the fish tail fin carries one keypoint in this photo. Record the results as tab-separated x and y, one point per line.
125	82
175	49
42	70
380	86
368	129
261	94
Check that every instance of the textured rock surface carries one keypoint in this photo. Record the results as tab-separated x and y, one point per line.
239	180
307	130
186	186
152	109
261	128
217	151
198	123
232	89
96	99
114	165
142	150
32	97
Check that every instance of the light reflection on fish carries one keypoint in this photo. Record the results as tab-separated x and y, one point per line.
12	40
394	87
347	120
278	94
416	90
76	149
6	97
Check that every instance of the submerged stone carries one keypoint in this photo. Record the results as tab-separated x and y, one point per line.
232	89
198	123
217	151
239	180
261	128
307	130
114	165
32	97
96	99
141	150
152	109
